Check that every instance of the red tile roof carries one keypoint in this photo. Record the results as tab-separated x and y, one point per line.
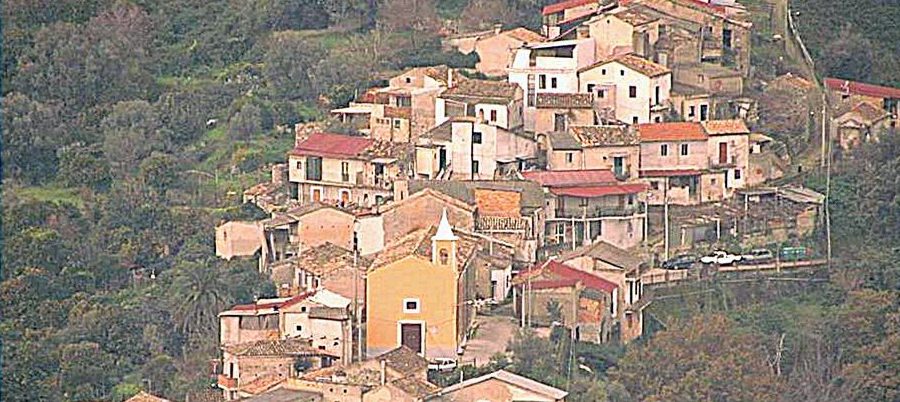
564	5
599	191
670	173
332	145
553	284
568	274
571	177
677	131
861	88
287	303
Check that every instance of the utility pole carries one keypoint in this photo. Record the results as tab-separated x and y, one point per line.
356	313
666	216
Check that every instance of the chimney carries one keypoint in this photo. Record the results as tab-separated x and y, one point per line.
383	372
449	77
498	28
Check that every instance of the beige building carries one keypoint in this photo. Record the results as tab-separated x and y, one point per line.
728	148
498	386
345	169
417	208
858	122
496	48
561	14
238	239
556	112
622	31
622	267
674	161
327	266
614	148
633	89
585	206
692	103
884	98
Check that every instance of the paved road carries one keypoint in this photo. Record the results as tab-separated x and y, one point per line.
659	275
493	335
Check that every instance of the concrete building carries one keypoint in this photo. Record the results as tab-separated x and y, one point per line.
634	89
612	148
585	206
495	48
500	385
345	169
556	112
550	67
674	157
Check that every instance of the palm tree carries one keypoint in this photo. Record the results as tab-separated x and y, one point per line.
197	295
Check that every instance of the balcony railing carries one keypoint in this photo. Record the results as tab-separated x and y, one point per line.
730	161
600	212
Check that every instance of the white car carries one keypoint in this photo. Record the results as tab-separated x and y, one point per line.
442	364
720	257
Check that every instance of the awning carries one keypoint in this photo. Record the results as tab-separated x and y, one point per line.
354	110
384	161
599	191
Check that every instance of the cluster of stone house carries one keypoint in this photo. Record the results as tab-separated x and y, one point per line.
532	187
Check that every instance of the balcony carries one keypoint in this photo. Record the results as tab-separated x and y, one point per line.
226	382
729	161
599	212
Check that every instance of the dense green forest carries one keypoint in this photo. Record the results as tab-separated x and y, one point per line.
131	127
855	40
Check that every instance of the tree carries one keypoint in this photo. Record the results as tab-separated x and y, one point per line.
31	133
198	293
416	16
851	55
704	358
131	133
290	65
86	371
84	166
245	123
158	172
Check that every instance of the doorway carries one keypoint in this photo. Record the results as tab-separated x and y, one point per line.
411	336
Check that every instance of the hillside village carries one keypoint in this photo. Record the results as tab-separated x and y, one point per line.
547	187
450	200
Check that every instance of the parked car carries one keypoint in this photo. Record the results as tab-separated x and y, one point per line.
442	364
683	261
758	256
720	257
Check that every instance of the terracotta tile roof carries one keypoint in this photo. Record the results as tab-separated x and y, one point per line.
634	62
524	35
404	360
861	88
464	190
869	112
262	384
565	5
268	307
325	259
416	388
438	73
546	391
588	280
570	178
793	81
332	145
419	192
564	100
278	347
627	260
675	131
600	191
720	127
634	17
418	243
481	91
145	397
605	135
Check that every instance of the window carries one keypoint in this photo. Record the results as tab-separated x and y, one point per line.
634	120
404	101
493	115
476	137
684	149
590	88
737	174
553	82
408	80
602	71
622	72
299	328
411	306
397	123
570	157
313	168
601	93
632	91
657	119
345	171
303	309
542	81
691	110
444	256
299	165
654	185
475	168
664	150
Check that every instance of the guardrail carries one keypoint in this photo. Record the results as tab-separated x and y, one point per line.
658	276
